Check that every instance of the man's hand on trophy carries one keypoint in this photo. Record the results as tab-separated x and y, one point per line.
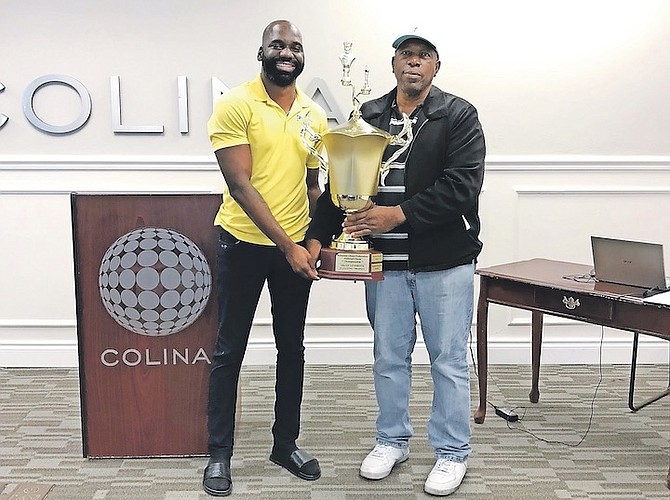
302	262
374	220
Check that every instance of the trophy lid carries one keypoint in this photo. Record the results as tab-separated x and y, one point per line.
357	126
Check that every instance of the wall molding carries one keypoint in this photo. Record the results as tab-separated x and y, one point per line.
64	353
207	163
68	192
266	322
107	163
590	191
585	163
53	343
258	322
37	323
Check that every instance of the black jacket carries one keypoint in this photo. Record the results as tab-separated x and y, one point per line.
444	172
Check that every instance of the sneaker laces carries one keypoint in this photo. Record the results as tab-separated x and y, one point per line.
445	465
380	450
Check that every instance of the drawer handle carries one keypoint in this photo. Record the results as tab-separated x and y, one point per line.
571	303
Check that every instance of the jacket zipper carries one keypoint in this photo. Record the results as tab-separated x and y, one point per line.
409	152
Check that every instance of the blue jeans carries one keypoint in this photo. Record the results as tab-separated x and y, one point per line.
243	269
443	301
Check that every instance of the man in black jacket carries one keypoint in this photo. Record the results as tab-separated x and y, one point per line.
425	221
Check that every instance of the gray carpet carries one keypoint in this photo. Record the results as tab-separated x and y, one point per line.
623	456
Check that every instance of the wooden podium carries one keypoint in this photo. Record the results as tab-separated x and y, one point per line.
145	272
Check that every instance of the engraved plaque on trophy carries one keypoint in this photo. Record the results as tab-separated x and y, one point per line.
354	166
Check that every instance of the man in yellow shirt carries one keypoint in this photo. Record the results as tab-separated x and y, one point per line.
271	184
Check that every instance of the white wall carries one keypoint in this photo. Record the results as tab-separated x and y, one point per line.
573	96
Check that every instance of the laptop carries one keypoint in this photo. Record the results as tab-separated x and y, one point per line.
632	263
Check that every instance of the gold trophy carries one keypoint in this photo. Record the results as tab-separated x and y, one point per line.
354	166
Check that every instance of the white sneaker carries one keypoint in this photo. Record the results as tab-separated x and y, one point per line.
446	477
380	461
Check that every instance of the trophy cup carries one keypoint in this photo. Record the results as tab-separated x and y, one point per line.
354	151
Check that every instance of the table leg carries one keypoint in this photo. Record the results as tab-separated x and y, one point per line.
482	349
536	327
631	388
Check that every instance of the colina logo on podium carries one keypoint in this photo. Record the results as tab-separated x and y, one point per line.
154	281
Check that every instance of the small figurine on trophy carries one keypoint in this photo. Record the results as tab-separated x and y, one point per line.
347	59
355	150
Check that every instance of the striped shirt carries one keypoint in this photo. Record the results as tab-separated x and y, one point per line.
395	243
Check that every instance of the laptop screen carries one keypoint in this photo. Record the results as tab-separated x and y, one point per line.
625	262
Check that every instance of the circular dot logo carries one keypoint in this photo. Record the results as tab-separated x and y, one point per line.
154	281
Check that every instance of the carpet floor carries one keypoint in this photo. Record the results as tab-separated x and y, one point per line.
576	443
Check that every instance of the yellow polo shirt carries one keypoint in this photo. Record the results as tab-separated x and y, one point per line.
247	115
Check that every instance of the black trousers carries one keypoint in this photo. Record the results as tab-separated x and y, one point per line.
243	269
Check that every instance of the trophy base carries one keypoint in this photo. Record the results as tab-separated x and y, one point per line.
365	265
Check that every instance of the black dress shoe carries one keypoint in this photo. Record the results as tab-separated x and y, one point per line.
216	480
299	463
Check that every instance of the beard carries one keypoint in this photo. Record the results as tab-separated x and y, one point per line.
280	77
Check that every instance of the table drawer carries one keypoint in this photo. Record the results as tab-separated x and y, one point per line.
574	304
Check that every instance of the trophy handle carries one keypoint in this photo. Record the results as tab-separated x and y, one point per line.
309	136
403	139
